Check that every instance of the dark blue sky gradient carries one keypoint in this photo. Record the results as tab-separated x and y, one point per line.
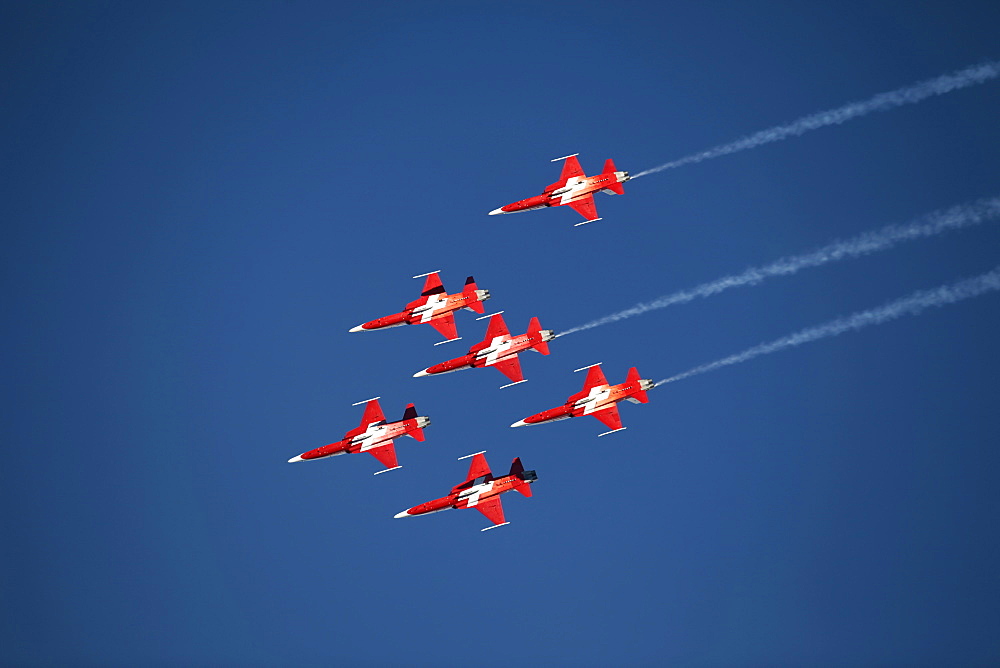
200	201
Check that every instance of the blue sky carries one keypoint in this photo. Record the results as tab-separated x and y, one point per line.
200	201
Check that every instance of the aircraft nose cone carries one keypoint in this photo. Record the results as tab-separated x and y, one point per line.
497	212
296	458
421	373
405	513
520	423
359	328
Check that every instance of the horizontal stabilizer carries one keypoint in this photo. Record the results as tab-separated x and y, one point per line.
639	397
524	488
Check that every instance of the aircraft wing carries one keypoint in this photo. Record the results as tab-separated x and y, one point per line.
479	468
492	508
432	285
595	378
571	168
385	454
446	325
373	413
510	367
585	207
497	327
609	416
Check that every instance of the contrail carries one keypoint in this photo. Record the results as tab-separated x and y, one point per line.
931	224
912	305
970	76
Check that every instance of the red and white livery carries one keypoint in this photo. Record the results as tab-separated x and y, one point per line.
435	307
575	189
374	436
598	398
480	491
499	350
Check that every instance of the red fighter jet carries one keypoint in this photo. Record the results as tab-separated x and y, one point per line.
597	398
575	189
374	436
499	349
435	307
480	491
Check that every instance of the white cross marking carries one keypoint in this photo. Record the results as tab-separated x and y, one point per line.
595	399
434	303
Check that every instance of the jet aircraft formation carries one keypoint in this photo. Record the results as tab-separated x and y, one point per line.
499	349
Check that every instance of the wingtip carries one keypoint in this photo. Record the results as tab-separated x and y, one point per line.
496	526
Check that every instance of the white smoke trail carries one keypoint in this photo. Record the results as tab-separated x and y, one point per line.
970	76
912	305
937	222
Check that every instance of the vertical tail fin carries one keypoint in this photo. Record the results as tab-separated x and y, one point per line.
534	330
616	187
516	468
411	414
634	377
470	286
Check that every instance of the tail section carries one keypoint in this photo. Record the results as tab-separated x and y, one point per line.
640	394
523	482
411	414
470	288
516	467
616	187
543	335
